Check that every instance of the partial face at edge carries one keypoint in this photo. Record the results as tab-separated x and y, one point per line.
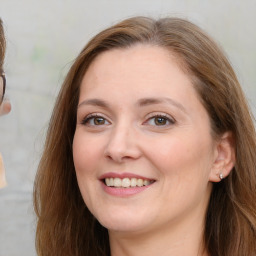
5	106
140	118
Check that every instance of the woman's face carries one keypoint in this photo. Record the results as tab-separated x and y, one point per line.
143	150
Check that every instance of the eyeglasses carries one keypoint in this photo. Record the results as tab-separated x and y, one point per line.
2	74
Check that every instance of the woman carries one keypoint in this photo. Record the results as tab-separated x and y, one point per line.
150	149
5	106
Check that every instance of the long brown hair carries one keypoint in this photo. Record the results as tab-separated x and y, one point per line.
65	225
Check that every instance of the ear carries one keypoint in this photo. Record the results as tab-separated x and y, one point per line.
224	157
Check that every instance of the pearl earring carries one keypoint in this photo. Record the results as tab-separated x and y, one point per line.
221	176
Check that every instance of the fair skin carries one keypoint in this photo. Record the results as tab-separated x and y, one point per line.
5	107
140	117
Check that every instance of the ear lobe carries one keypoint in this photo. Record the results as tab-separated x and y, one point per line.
224	157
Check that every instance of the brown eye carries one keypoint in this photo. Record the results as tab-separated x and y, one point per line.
94	120
99	121
160	120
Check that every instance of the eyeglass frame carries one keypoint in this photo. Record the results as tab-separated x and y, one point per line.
2	74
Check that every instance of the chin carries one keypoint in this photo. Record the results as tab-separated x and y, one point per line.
123	223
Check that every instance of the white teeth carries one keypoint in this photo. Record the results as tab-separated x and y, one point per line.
133	182
117	182
146	182
140	182
107	181
126	182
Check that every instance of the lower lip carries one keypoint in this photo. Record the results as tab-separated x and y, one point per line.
124	192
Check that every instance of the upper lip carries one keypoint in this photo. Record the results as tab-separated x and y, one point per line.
122	176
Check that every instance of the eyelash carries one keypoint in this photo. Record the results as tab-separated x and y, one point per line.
90	117
153	116
166	118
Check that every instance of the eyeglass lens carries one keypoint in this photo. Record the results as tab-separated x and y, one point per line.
2	87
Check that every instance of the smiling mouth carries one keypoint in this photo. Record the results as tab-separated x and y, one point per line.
127	182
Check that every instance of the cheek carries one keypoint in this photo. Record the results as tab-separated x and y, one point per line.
86	156
184	164
185	156
85	153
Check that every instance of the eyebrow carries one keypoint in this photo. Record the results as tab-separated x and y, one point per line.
141	102
152	101
94	102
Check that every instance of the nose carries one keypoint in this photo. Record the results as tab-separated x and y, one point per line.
123	144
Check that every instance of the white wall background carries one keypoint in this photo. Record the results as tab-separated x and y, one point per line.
43	37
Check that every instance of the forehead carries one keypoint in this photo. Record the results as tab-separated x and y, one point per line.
142	71
135	64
